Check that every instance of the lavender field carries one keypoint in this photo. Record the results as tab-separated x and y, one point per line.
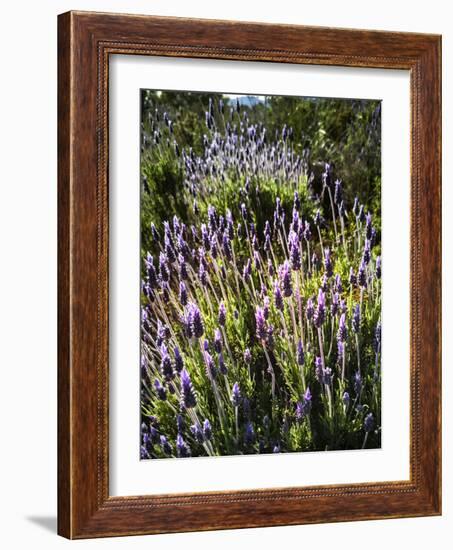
261	275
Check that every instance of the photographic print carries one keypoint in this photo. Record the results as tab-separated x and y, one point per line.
260	274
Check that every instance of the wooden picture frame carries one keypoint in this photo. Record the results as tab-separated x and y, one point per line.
85	42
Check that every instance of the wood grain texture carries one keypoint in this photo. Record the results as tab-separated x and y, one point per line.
85	42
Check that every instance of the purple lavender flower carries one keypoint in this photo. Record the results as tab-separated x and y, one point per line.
212	218
328	263
165	287
296	200
318	369
352	278
160	390
195	320
236	395
270	268
295	222
303	407
217	340
211	370
320	312
166	367
182	293
214	247
294	250
247	356
182	267
202	274
207	430
222	314
270	337
151	271
300	353
154	434
197	433
261	330
154	233
327	376
307	231
324	283
367	252
180	423
144	454
341	349
378	267
278	298
338	287
315	261
334	304
358	384
285	279
182	447
164	270
169	251
346	399
368	423
356	319
373	237
342	333
188	396
179	362
166	446
205	237
222	367
163	332
247	271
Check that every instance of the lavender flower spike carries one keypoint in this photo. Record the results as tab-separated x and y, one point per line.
285	278
328	263
207	430
195	320
261	331
278	298
368	423
179	362
300	353
342	329
188	396
182	293
182	448
320	312
217	340
236	395
222	314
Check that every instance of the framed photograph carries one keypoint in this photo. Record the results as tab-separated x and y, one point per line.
249	275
